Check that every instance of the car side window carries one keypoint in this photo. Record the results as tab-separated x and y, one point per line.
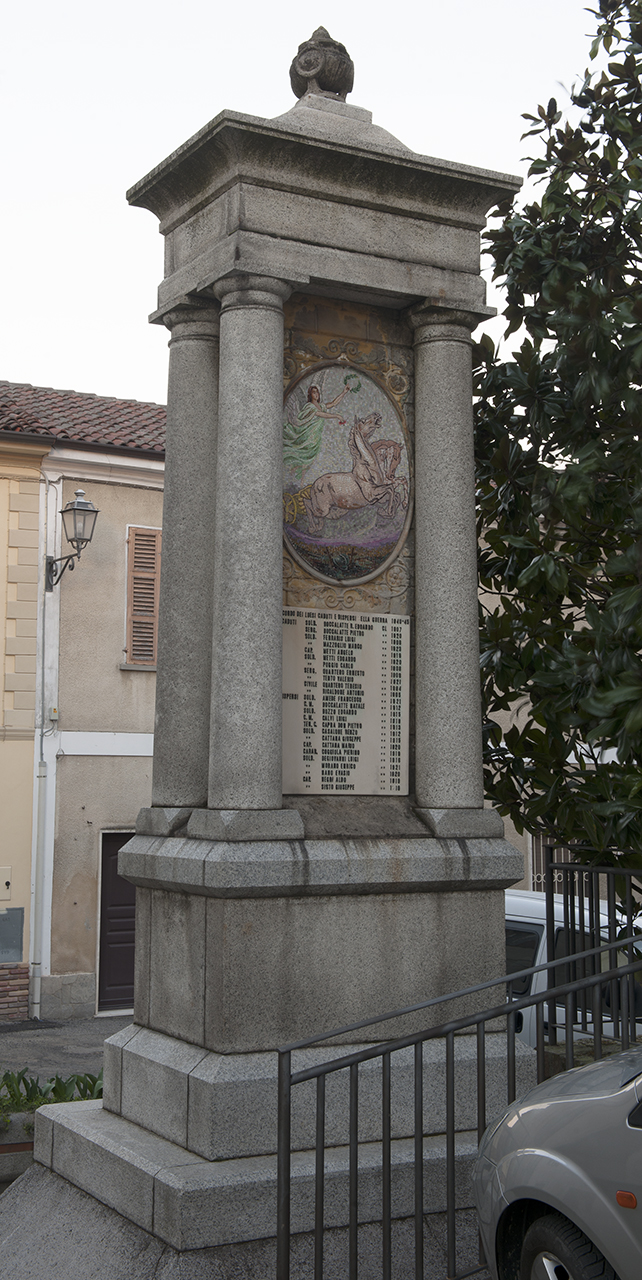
579	942
522	942
566	973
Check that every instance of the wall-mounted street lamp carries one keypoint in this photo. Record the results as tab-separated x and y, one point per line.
78	520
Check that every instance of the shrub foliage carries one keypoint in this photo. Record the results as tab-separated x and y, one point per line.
559	469
22	1092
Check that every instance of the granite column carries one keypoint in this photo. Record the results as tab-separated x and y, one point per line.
448	726
181	741
245	770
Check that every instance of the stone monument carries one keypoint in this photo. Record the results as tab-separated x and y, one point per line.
321	286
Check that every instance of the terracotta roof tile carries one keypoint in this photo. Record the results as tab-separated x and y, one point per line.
85	419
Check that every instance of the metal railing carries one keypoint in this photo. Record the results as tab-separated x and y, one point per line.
580	983
589	921
542	854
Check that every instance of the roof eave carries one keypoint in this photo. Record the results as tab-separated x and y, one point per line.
47	443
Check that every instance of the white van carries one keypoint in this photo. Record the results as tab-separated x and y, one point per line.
526	947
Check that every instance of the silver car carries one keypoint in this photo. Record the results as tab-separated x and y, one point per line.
558	1180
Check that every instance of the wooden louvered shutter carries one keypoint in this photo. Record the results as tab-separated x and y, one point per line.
143	580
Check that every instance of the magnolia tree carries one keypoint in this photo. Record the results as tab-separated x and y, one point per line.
559	471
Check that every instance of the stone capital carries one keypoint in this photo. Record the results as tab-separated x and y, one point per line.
242	290
434	323
193	320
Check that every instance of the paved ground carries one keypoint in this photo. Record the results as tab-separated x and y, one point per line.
51	1230
57	1048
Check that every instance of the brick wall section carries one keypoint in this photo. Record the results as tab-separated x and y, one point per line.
22	606
14	992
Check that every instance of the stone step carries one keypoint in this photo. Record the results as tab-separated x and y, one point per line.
193	1203
224	1106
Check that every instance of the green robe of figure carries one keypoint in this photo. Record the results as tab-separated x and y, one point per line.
301	442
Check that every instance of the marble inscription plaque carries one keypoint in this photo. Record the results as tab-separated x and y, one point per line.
345	703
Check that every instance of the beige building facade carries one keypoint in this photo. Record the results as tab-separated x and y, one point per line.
104	735
76	736
20	484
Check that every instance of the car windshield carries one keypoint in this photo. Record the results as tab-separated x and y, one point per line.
522	941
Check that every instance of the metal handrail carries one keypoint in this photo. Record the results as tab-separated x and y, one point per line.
287	1079
460	1024
456	995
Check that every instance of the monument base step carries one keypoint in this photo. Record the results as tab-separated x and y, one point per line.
192	1203
51	1230
224	1106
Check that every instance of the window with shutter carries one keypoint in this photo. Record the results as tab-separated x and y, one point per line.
143	581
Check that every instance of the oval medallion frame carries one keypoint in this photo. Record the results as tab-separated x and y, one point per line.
308	433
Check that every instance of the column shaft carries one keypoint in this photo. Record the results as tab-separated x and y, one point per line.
448	726
245	734
181	743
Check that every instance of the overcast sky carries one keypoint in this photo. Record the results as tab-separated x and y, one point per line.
94	95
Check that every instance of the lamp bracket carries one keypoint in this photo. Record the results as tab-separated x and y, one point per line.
54	573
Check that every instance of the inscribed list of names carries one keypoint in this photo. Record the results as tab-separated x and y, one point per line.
345	703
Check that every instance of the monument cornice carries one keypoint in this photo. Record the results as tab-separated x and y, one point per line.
235	148
327	202
317	868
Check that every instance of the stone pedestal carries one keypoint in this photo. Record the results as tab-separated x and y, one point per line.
197	1165
264	919
243	947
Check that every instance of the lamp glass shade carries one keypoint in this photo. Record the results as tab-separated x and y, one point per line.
79	518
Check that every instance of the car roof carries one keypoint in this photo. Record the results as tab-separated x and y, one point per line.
528	905
524	903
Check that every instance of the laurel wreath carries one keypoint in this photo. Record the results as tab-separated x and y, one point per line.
347	379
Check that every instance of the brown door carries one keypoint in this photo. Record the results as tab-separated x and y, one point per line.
117	925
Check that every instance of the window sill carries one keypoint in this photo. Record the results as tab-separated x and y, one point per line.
135	666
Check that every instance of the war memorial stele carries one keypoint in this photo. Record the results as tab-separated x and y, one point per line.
317	850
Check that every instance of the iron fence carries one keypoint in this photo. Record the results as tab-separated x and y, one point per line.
586	988
540	855
589	920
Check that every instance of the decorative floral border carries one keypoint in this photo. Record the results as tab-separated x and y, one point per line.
305	353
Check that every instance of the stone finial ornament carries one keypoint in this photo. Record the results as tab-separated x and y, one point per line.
323	66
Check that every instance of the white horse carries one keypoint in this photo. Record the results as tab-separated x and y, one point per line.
371	482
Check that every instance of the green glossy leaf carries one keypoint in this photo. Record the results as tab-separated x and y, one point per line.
559	469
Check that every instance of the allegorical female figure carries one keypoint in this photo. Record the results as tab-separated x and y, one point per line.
302	439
